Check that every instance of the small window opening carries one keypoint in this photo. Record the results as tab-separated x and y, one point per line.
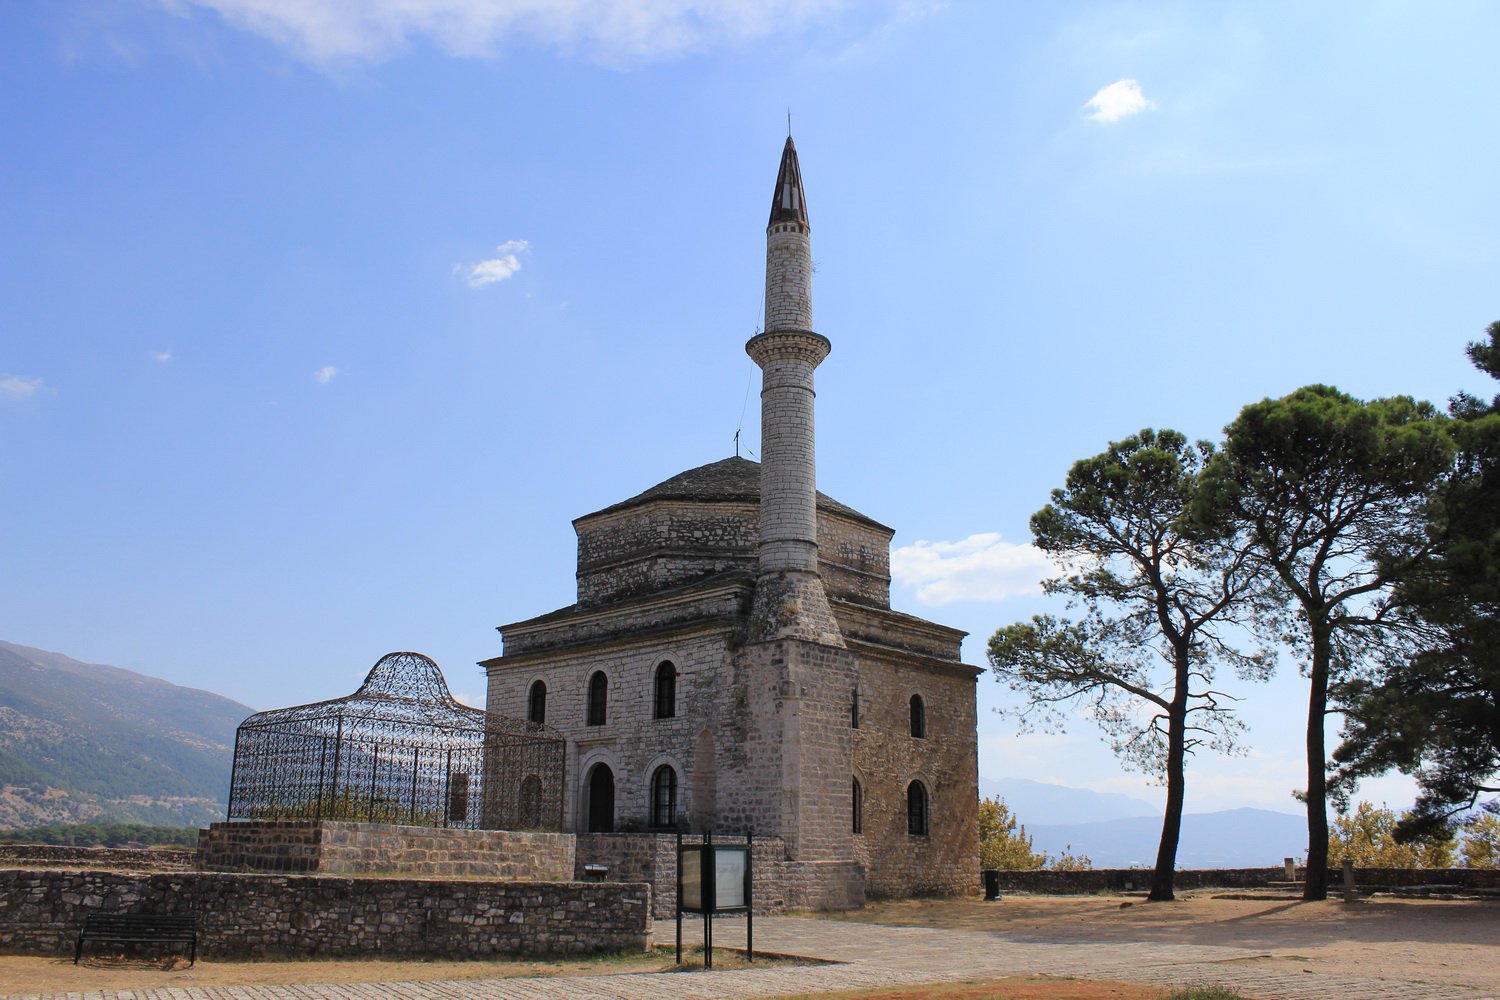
916	809
536	703
664	797
598	698
666	690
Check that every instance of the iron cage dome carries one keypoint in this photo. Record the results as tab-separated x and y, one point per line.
400	750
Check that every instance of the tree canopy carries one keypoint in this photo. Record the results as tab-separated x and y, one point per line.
1432	708
1331	493
1156	589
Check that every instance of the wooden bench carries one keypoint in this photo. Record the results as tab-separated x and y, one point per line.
139	928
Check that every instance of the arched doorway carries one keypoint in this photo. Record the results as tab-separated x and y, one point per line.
601	791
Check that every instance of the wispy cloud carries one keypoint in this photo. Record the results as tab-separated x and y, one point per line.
500	267
18	386
162	356
982	567
337	31
1120	99
325	374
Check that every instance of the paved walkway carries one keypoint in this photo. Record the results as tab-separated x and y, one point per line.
866	956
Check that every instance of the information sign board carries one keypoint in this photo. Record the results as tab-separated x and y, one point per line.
731	863
690	866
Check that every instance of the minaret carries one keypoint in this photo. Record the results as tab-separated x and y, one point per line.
789	599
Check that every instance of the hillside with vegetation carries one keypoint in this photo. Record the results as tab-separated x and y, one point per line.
87	743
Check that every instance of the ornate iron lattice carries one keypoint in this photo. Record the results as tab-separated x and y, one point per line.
398	750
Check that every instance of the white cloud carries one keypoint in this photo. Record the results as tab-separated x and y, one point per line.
501	267
1120	99
325	374
338	31
18	386
981	567
162	356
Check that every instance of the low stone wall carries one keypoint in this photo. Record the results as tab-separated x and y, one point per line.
1371	878
651	857
117	858
1057	883
333	847
324	916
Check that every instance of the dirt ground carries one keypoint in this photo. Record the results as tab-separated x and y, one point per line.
22	974
1454	942
1030	988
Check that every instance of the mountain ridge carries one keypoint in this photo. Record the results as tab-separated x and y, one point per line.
92	742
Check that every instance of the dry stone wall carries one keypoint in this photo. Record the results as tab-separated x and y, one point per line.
325	917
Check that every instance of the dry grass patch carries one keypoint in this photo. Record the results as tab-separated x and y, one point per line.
25	974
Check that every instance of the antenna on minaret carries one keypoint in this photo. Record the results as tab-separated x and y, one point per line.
788	123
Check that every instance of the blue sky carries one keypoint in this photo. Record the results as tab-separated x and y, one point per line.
319	322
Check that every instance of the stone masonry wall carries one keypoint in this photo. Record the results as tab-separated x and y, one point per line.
632	742
325	917
1057	883
855	561
668	544
650	857
118	858
663	545
887	759
337	847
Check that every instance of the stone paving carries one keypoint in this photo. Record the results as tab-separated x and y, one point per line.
865	956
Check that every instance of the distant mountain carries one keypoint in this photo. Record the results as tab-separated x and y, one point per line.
1234	838
1038	802
83	742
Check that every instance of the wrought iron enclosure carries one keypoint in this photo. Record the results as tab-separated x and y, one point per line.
398	750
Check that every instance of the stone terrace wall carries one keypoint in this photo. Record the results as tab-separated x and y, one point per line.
352	848
1128	879
58	856
324	916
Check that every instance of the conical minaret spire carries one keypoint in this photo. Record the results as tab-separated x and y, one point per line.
790	602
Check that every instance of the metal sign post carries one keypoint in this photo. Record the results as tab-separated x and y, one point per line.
714	879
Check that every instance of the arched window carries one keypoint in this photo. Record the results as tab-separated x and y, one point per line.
598	698
859	808
854	710
536	703
666	690
531	800
664	797
916	809
918	717
601	799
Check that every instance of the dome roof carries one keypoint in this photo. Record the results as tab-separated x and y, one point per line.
729	480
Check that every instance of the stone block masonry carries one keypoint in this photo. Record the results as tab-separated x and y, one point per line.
651	857
262	916
117	858
352	848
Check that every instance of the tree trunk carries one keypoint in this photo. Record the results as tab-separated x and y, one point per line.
1316	885
1171	823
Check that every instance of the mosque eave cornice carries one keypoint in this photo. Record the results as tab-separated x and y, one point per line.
719	625
717	586
912	623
